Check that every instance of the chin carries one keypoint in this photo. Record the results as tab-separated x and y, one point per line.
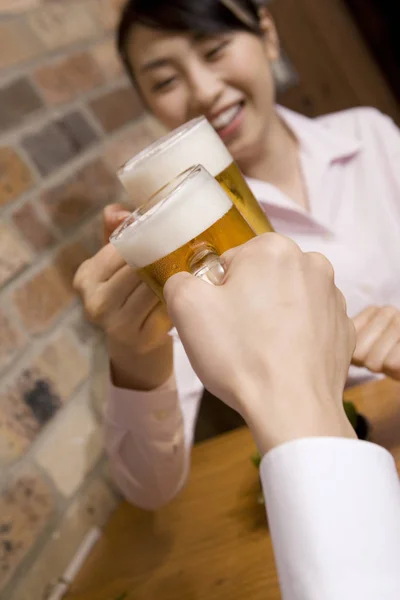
242	151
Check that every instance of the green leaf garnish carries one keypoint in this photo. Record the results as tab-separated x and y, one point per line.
256	459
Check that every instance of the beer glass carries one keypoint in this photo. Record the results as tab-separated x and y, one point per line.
194	143
185	226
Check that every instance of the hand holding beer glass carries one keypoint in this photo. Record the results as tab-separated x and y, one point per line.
186	226
134	319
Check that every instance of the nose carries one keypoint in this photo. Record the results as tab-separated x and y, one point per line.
206	88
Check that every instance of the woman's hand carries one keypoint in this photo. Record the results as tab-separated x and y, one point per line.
378	340
133	318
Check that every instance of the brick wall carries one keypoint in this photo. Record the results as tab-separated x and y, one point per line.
68	119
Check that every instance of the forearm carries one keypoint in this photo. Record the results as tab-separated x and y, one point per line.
140	372
150	434
146	445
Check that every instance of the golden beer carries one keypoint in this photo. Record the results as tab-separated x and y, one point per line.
195	143
228	232
232	181
187	223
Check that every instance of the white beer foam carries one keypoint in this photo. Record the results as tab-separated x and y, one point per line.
195	143
191	209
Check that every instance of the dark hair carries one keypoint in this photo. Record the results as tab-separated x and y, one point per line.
206	17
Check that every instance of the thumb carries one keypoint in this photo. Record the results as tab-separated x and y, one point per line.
191	304
184	294
228	256
175	286
113	216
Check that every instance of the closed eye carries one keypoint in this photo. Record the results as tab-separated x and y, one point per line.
215	52
164	84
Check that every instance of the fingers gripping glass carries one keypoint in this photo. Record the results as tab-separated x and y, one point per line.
185	226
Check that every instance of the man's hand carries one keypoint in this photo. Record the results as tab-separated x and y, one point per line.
133	318
274	341
378	340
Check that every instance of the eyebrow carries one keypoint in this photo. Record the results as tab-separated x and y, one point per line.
200	37
154	64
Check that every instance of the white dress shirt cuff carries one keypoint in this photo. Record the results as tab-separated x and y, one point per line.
334	512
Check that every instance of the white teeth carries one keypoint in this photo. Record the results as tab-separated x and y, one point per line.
225	118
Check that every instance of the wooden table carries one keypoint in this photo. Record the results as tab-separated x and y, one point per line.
212	542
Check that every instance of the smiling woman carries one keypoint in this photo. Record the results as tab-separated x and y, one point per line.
213	58
330	184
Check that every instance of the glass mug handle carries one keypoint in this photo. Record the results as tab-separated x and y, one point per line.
206	264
